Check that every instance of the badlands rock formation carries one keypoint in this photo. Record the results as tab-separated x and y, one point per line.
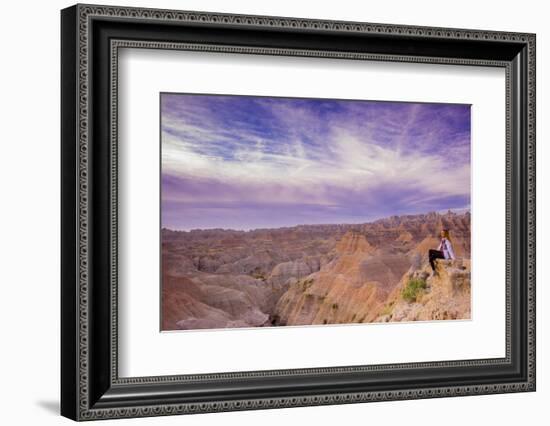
313	274
446	296
351	288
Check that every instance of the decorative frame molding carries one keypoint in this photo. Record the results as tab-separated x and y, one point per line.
91	37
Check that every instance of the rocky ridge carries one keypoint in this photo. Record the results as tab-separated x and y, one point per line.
446	296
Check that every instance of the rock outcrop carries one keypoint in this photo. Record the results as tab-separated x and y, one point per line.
204	300
446	296
353	242
351	288
295	269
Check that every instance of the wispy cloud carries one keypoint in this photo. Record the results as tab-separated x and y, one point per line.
245	162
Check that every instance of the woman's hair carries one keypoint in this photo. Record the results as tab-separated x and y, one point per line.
446	234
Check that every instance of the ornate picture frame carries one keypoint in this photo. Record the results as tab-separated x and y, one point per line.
91	37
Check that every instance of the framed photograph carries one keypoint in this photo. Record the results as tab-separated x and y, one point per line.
263	212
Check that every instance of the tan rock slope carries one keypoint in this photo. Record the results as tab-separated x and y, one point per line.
447	295
349	289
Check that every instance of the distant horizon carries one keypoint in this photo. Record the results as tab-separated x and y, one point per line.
248	162
457	211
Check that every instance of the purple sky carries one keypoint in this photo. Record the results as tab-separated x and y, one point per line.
257	162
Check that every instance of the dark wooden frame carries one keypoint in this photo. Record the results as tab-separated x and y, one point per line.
90	38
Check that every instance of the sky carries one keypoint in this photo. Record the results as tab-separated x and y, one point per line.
246	162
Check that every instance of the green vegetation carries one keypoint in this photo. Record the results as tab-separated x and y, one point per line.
388	309
413	289
306	284
335	306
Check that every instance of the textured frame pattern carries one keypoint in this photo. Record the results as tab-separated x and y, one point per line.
85	14
118	44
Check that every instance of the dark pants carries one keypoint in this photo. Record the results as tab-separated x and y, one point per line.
435	254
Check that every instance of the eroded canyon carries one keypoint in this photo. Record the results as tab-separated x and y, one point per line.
315	274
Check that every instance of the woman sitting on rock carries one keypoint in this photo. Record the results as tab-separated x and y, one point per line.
444	251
